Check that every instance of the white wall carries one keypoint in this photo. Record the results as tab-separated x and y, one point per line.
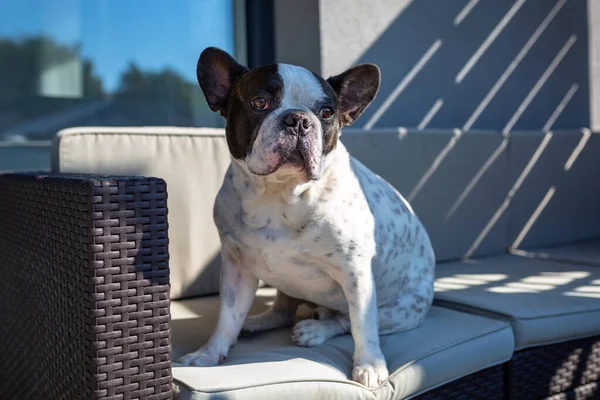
504	65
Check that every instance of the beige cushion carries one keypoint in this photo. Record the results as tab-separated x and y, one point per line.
192	161
449	345
587	252
545	301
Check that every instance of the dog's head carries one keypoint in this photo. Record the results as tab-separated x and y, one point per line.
283	116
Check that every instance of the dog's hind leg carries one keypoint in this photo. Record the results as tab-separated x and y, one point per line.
312	332
279	315
403	314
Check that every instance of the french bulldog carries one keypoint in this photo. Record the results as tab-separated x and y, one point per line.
296	211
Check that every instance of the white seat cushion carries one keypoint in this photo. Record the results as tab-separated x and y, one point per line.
448	345
587	252
545	301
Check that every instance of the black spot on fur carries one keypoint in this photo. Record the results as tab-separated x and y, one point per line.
229	297
392	196
416	308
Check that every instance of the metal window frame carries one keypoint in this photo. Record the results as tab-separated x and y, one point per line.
260	32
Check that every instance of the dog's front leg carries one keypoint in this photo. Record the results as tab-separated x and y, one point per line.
238	289
369	363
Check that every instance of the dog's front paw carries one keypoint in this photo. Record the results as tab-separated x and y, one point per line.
370	371
202	358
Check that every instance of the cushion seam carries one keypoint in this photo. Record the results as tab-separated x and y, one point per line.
557	341
512	318
560	259
505	326
349	382
157	134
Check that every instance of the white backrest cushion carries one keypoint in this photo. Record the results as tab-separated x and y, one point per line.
192	161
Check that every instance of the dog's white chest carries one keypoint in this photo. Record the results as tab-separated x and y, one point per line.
285	256
287	264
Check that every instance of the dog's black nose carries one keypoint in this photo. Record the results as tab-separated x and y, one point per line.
299	120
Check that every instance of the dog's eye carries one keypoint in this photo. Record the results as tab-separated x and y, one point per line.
259	103
327	112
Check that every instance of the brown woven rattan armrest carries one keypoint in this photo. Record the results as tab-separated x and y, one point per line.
84	283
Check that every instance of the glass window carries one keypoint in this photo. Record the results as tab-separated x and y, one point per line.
71	63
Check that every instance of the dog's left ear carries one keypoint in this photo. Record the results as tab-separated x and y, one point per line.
356	88
217	72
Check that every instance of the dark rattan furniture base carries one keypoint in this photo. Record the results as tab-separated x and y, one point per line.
569	370
585	392
84	281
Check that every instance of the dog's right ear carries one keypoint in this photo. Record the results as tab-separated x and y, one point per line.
217	71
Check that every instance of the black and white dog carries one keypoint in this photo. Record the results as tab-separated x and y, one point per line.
298	212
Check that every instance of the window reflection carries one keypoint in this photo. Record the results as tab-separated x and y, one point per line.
67	63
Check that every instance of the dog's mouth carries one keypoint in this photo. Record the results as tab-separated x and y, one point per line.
305	158
303	153
312	158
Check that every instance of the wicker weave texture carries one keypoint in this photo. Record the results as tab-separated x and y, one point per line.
486	384
559	369
85	288
591	391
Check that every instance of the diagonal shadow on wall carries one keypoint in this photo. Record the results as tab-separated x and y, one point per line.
423	54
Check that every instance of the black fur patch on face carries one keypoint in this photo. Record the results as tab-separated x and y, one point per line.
243	121
331	127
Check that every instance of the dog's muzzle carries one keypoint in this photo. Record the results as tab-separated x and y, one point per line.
309	146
